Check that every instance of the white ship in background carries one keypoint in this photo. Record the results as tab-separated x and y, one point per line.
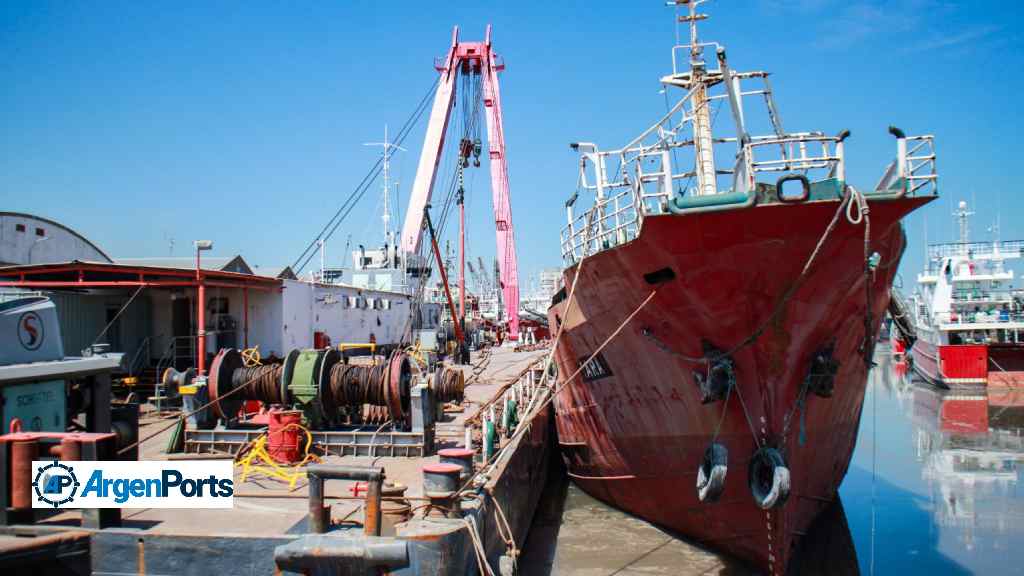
968	314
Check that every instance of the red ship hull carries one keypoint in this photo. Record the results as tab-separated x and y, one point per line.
634	430
995	365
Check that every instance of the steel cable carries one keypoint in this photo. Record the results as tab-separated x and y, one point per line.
265	385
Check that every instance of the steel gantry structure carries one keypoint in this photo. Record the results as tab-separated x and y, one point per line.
469	59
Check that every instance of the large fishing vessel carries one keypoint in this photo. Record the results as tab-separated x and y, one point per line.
722	297
969	317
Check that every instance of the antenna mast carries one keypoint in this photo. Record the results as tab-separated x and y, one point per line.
388	148
962	214
697	81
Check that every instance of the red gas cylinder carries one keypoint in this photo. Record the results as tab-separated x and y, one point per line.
284	435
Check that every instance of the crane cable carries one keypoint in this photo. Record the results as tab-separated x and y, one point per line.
364	184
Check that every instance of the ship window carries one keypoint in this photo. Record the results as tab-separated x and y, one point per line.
19	227
40	232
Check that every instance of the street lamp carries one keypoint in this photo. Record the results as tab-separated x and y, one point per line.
201	245
33	246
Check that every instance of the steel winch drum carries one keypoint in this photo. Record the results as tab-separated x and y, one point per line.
172	380
219	383
314	378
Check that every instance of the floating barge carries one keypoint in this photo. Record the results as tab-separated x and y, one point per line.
372	502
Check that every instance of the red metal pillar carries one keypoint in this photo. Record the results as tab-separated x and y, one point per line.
200	320
462	258
245	314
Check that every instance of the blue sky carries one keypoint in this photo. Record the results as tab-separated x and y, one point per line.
136	123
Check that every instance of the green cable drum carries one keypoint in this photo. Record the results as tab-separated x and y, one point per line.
305	384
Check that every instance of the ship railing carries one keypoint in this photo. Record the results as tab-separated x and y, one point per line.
920	164
797	153
914	167
611	222
1004	249
968	296
967	317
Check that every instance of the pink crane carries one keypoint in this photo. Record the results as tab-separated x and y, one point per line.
468	58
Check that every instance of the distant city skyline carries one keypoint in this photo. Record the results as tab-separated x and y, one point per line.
147	126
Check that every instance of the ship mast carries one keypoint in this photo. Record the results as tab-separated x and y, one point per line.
699	104
962	214
388	151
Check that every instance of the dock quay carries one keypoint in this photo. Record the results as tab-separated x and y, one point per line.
355	513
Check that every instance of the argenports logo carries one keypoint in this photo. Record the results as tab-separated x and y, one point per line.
146	484
55	484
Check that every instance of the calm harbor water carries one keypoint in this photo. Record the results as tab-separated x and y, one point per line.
946	498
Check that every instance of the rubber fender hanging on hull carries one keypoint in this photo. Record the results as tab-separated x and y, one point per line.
711	473
769	478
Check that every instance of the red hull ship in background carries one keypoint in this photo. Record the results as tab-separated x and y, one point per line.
717	321
968	316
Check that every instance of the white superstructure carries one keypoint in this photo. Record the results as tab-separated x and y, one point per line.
967	294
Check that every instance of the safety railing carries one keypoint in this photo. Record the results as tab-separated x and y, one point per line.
178	348
643	182
981	297
919	162
1003	249
612	222
1014	317
143	355
797	153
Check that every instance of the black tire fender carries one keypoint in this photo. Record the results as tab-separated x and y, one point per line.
769	478
711	473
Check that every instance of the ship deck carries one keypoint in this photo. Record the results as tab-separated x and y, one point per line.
266	507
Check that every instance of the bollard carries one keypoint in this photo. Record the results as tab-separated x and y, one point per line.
395	509
469	438
441	485
319	515
23	452
461	457
70	449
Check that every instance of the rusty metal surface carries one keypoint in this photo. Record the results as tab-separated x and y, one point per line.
635	430
60	553
119	552
243	540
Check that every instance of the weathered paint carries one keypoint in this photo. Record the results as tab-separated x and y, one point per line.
635	436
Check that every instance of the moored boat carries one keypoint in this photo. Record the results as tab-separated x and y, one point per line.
969	317
722	297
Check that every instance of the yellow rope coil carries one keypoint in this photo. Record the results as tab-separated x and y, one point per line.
256	460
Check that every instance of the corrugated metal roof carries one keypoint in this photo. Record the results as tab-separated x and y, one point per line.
283	272
219	263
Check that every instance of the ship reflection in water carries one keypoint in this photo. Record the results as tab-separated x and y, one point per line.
946	498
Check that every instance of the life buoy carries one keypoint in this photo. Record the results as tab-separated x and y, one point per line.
711	473
769	478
